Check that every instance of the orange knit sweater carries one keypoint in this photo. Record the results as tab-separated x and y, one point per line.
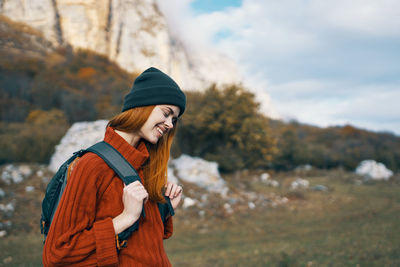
82	232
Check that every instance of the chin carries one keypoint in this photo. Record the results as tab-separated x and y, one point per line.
153	140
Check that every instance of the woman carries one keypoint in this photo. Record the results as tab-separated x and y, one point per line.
96	206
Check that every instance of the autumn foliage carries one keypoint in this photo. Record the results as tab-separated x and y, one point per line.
42	94
41	98
224	125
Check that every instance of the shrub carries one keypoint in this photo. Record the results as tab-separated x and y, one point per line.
33	140
225	126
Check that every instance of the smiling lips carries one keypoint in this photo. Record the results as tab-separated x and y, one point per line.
160	130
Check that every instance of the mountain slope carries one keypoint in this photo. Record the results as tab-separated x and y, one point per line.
132	33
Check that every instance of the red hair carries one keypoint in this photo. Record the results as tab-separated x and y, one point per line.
156	168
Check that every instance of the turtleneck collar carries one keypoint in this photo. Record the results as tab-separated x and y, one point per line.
135	156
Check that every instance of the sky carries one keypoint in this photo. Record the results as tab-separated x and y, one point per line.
324	63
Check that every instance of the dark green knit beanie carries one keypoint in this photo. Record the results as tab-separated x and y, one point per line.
153	87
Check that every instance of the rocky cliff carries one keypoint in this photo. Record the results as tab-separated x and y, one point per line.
132	33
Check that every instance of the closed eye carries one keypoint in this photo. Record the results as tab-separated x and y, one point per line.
169	113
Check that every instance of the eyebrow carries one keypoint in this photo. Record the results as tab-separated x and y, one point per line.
172	112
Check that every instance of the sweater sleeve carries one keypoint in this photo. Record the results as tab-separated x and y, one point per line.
75	236
168	228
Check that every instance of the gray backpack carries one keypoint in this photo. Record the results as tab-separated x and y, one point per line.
121	167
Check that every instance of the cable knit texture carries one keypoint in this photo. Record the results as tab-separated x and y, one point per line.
82	232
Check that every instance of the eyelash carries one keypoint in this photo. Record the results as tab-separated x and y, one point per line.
174	120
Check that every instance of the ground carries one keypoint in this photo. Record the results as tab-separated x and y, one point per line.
353	223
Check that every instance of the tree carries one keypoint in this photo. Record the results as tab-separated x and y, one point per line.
224	125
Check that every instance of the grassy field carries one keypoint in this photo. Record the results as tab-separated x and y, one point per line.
351	224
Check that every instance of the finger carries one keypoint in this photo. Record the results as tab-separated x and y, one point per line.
168	190
175	190
137	184
132	185
179	191
143	196
140	197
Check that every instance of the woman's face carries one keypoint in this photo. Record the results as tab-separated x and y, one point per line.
161	120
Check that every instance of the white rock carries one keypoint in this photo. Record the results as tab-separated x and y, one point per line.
200	172
251	205
29	188
25	170
7	208
3	233
171	176
274	183
373	170
299	183
15	174
39	173
188	202
284	200
264	177
81	135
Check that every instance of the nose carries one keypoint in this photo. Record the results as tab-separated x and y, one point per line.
169	123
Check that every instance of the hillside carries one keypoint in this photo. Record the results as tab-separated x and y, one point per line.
132	33
20	39
44	89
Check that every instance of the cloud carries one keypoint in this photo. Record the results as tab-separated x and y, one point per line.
372	106
367	17
322	62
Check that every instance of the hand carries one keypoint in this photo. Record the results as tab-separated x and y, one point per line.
174	192
134	195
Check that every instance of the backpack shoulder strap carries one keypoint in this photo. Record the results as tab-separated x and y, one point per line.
116	161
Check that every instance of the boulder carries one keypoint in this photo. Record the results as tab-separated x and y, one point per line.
188	202
264	177
372	170
171	176
3	233
29	188
81	135
203	173
251	205
299	183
